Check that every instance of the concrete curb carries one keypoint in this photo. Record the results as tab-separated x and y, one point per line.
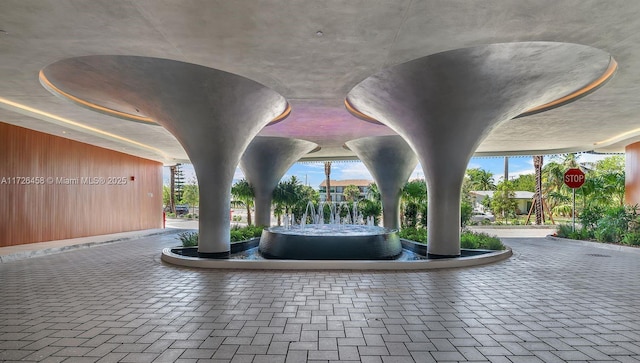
175	259
601	245
97	241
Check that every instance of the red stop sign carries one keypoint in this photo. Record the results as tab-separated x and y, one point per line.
574	178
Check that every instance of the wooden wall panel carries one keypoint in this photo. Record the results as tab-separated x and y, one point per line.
632	174
51	209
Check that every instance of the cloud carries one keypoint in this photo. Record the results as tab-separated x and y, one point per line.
188	172
591	158
517	173
355	170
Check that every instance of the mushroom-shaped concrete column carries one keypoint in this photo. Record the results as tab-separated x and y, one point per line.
390	160
445	104
213	114
264	162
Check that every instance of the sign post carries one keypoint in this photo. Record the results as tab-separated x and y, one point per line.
574	178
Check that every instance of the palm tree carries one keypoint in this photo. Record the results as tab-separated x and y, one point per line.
537	164
243	192
604	184
553	183
480	179
613	186
373	193
285	196
570	161
414	198
327	173
351	193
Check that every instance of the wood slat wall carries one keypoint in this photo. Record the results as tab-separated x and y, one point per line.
54	210
632	174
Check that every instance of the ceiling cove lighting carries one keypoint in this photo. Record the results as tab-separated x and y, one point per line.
617	138
109	111
600	81
46	116
125	115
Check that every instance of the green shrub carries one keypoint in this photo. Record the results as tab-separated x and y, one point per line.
590	216
245	233
468	241
564	230
580	234
493	244
632	238
414	234
466	211
171	215
188	239
476	240
613	225
411	215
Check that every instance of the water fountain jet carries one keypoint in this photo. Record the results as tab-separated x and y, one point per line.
346	239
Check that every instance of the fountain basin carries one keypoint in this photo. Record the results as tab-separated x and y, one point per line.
330	242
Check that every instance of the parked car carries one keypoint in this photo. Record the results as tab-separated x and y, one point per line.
182	209
482	216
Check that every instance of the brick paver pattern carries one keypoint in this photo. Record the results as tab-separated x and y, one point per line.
551	302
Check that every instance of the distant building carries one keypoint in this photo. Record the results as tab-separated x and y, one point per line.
523	199
337	188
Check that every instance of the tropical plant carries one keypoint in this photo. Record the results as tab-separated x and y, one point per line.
538	202
590	216
304	195
612	185
190	195
245	233
480	179
466	211
525	182
468	239
284	197
477	240
617	224
414	234
503	202
603	186
370	208
327	174
188	239
553	182
373	192
614	163
291	197
351	193
414	200
166	195
242	191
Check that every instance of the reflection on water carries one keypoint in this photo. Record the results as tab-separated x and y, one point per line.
253	254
